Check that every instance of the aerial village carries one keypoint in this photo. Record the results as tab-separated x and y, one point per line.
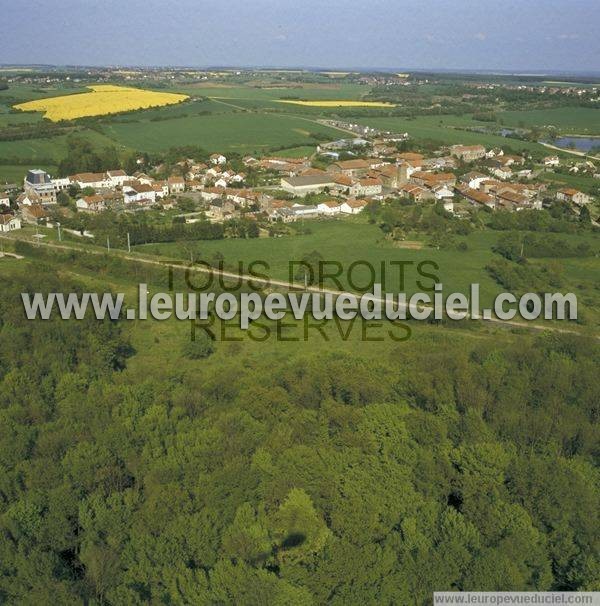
341	178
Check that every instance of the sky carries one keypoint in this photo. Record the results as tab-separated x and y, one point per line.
511	35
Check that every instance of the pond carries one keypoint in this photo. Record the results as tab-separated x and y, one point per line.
584	144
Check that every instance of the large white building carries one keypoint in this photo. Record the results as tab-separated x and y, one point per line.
301	186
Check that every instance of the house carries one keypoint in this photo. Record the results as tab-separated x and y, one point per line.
502	172
34	213
218	159
60	184
117	177
516	201
91	204
394	175
415	159
312	172
222	183
303	211
143	178
139	192
222	208
551	161
176	185
283	214
473	179
443	192
432	180
27	199
415	192
448	206
353	207
4	200
38	183
350	168
440	163
301	186
366	187
477	197
468	153
167	204
94	180
574	196
329	208
342	183
161	188
9	223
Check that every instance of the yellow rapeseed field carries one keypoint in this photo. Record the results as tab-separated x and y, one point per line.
104	99
339	103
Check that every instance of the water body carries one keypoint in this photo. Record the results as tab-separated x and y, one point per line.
583	144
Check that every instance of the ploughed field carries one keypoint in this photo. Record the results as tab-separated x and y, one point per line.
102	100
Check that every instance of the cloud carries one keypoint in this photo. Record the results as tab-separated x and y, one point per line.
568	36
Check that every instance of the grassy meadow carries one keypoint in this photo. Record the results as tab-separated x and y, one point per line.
350	240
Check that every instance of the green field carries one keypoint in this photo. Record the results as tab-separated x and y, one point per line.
240	132
353	239
248	118
575	120
449	130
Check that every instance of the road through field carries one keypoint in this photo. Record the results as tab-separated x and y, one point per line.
270	283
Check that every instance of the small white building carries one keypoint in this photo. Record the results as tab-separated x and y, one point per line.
329	208
4	200
117	177
176	185
502	172
218	159
353	207
138	193
552	161
93	180
9	223
443	192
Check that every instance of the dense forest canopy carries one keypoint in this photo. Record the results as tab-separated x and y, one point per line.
306	478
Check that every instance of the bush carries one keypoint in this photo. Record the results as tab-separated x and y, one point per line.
201	346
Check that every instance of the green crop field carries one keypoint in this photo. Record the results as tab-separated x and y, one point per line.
241	132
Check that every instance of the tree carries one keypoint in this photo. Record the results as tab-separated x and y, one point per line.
298	528
584	215
199	347
63	199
